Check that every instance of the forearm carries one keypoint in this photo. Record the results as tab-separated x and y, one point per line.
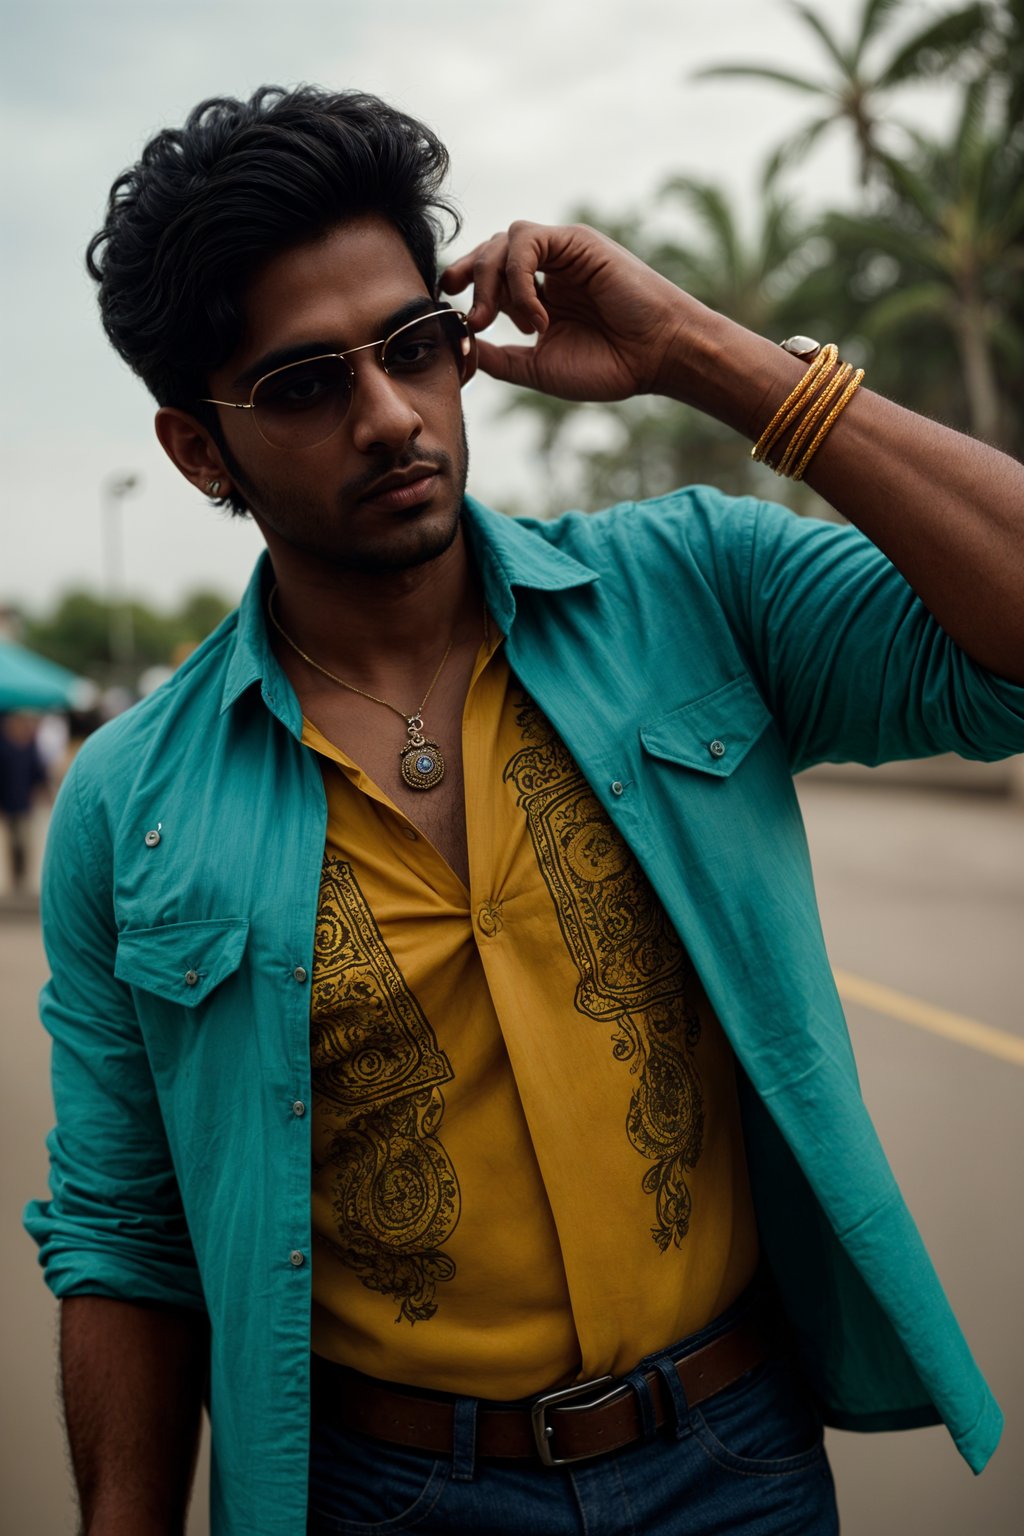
133	1381
947	510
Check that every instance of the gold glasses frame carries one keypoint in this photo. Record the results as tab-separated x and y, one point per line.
467	345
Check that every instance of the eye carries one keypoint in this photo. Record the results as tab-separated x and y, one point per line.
417	349
409	353
304	387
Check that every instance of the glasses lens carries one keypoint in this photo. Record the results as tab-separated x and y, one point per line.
301	405
429	348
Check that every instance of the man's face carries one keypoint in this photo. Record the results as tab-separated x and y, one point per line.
350	287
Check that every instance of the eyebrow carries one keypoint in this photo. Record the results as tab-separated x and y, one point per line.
280	357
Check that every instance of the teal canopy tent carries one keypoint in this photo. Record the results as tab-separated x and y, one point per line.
28	681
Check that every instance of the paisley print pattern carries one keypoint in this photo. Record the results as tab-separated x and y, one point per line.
378	1073
633	971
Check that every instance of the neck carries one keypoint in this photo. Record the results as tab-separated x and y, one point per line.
376	629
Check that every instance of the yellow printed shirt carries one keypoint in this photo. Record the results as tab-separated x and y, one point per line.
528	1165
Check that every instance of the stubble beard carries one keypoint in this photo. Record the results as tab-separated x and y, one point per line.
307	526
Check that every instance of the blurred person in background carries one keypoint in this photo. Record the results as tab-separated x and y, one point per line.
22	777
451	1084
53	739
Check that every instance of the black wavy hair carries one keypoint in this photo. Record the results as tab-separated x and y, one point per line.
207	205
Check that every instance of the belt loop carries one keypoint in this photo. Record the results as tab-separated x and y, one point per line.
648	1423
666	1369
464	1439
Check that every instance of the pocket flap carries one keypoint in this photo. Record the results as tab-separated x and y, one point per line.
182	962
712	734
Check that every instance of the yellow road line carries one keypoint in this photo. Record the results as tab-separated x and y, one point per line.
938	1021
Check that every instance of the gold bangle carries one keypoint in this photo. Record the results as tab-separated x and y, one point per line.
829	422
794	401
813	415
790	407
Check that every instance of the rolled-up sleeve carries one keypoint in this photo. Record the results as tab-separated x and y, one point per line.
852	664
114	1224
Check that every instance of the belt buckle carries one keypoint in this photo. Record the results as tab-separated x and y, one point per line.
543	1431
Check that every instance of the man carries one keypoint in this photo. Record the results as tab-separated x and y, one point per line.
462	865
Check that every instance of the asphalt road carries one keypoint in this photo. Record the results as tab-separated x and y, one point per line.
922	893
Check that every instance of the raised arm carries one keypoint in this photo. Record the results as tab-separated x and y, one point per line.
946	510
133	1379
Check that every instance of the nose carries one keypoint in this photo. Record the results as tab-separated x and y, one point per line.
381	414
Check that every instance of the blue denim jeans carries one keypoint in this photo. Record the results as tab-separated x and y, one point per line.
750	1459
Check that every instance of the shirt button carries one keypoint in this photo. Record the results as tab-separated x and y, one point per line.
298	1108
297	1258
616	788
152	838
191	977
299	973
717	748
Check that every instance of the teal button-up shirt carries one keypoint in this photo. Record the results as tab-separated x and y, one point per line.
692	652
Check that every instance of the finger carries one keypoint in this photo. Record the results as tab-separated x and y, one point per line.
504	273
484	268
492	296
459	275
513	365
527	246
522	321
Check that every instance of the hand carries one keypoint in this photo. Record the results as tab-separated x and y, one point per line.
605	322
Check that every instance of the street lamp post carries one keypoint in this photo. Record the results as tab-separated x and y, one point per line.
121	630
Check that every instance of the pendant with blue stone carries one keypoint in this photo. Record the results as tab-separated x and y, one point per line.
422	763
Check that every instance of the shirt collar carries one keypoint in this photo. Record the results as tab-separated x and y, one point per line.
509	552
514	552
252	658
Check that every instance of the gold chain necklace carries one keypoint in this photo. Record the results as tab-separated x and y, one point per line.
422	762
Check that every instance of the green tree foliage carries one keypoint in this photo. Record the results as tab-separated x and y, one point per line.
78	633
198	616
935	272
767	278
1003	49
860	80
923	283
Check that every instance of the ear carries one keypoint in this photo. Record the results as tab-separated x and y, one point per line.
192	450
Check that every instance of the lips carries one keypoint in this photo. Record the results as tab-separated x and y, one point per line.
396	491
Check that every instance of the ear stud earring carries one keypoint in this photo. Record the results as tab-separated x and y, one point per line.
213	487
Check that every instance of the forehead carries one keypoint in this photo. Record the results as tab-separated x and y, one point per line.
338	288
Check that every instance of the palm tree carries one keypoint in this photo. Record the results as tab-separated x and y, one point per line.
948	239
761	278
853	91
755	278
1005	56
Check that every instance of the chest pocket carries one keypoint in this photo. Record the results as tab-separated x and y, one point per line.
181	962
714	733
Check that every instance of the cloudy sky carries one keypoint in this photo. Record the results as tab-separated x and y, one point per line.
543	104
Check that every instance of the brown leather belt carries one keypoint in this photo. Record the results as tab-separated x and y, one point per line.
556	1427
